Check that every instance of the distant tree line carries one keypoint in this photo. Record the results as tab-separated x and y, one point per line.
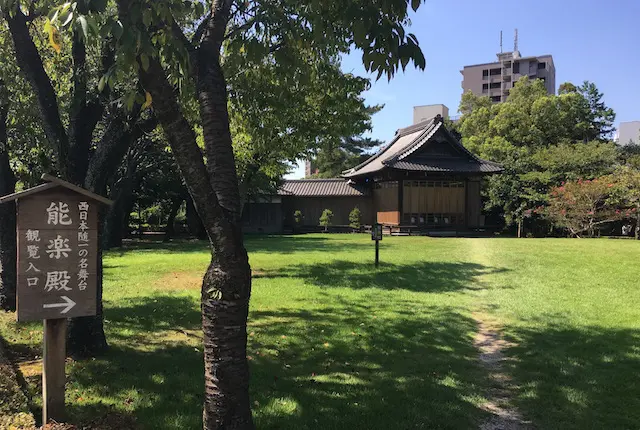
555	149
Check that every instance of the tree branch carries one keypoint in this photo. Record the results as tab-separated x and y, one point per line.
30	63
202	27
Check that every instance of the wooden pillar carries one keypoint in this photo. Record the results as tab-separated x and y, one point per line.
466	203
53	372
400	200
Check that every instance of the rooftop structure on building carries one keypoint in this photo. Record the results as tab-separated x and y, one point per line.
629	133
427	112
496	79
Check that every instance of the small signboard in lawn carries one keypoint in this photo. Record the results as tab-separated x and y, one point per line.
376	232
57	251
57	228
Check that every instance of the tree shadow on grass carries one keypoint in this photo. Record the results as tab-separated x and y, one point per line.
302	243
434	276
330	367
578	377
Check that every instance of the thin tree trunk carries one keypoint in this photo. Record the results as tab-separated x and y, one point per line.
8	275
638	223
170	229
226	287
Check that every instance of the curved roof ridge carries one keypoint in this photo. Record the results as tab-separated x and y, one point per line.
399	134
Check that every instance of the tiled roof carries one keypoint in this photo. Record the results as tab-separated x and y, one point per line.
322	188
402	140
449	166
399	154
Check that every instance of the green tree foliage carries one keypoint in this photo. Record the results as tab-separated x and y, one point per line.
279	115
297	217
326	218
540	141
331	160
627	184
583	206
355	218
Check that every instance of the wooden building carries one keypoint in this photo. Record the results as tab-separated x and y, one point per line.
424	178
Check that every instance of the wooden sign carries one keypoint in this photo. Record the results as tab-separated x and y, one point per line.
57	255
57	271
376	232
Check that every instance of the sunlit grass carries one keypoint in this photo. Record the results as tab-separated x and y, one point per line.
335	343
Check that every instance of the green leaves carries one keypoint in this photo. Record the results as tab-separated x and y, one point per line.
144	61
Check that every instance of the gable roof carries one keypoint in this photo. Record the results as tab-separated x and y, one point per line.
54	182
409	141
322	188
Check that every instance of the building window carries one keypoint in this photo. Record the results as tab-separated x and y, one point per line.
495	85
485	87
495	72
485	72
516	67
495	99
542	65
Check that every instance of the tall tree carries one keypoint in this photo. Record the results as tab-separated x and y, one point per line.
70	118
599	116
7	213
267	28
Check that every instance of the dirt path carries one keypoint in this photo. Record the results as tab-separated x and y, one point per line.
491	345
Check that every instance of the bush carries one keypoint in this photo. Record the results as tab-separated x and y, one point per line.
297	217
354	219
325	219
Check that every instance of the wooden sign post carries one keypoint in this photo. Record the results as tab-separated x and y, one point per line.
376	234
57	232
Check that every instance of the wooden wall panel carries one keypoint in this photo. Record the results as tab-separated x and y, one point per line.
386	199
474	204
390	217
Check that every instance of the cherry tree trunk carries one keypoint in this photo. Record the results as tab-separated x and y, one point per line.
7	220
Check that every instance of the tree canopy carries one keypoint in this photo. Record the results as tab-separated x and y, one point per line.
541	139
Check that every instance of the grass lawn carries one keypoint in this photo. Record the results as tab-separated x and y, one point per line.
336	344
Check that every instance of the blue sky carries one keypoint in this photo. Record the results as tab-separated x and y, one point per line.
589	40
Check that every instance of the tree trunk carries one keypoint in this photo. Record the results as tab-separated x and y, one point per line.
85	335
194	222
226	287
8	275
637	223
117	219
170	230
